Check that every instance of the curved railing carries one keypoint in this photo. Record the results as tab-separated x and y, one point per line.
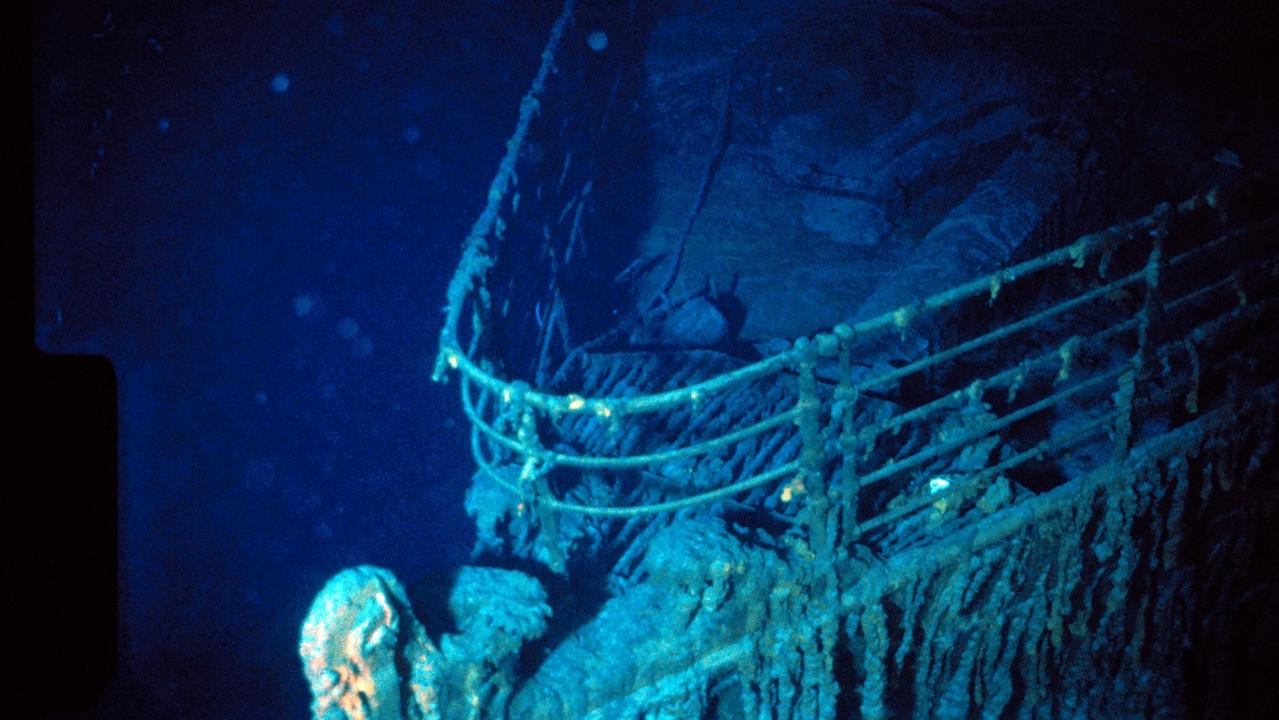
524	443
518	434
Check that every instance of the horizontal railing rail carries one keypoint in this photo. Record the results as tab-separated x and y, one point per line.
452	356
521	434
514	436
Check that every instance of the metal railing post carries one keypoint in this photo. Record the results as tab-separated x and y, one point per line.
846	397
1151	316
1148	322
809	480
536	490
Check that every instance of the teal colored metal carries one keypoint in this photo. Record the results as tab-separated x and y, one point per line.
801	360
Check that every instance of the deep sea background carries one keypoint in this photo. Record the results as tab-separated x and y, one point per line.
252	211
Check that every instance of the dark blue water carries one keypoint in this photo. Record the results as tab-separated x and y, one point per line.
252	213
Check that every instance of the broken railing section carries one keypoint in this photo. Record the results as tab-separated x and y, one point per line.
480	249
528	281
521	428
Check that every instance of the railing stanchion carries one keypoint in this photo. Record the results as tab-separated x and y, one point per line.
536	490
1148	338
809	481
846	397
1149	327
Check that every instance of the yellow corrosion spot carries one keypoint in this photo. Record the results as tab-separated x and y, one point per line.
936	485
603	410
452	360
507	394
576	402
793	489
